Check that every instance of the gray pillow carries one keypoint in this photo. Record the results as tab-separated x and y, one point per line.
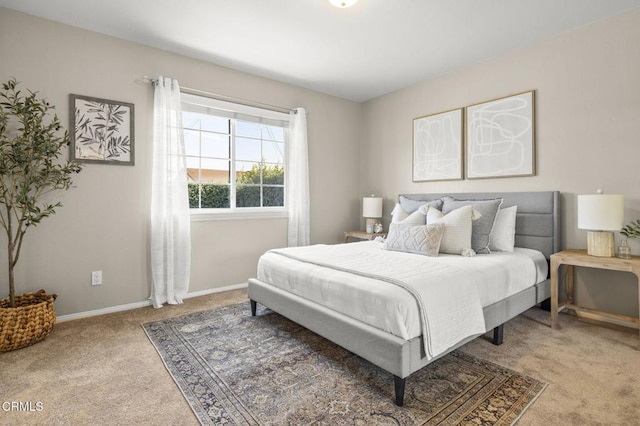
481	228
411	206
418	239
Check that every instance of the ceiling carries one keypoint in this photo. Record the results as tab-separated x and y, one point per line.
358	53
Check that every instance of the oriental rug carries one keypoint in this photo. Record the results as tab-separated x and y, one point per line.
236	369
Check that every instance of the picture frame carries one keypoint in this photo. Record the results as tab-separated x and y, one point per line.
500	137
102	130
438	146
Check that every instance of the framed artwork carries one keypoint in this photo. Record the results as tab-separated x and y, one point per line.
500	137
102	131
437	146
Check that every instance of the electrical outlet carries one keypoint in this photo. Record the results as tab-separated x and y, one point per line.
96	278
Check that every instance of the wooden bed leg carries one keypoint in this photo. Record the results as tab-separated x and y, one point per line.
399	390
498	335
254	305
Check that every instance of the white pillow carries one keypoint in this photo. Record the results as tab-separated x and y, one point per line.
399	215
457	232
482	227
503	235
418	239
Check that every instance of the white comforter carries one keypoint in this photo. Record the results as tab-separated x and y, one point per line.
392	308
447	296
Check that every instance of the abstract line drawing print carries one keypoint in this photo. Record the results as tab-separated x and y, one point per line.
500	137
437	146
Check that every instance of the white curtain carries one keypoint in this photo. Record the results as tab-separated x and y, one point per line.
170	222
298	181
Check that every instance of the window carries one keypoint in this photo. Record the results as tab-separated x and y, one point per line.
235	156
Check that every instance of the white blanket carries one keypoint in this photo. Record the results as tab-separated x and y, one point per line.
447	296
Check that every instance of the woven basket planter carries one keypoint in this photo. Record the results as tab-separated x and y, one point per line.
29	322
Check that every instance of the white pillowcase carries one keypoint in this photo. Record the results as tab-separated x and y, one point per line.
482	227
457	232
503	235
399	215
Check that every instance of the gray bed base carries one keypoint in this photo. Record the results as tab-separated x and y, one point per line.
536	227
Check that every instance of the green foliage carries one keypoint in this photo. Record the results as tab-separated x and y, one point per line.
272	174
213	196
273	196
31	144
248	195
247	190
631	230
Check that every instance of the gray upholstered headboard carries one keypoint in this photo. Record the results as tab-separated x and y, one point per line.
537	221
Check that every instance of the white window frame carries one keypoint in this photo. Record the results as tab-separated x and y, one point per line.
239	111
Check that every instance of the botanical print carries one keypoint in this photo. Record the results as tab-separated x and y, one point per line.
103	130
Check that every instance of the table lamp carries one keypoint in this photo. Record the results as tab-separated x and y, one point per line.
371	210
600	214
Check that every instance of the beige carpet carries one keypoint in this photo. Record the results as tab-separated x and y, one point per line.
104	370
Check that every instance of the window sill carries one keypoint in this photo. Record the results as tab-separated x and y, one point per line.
204	216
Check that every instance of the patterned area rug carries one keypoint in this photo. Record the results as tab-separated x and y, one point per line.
266	370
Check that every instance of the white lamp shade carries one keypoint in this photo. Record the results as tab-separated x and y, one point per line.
601	212
372	207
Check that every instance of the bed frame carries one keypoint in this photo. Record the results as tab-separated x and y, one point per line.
537	227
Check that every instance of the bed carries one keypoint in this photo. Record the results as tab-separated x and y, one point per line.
537	229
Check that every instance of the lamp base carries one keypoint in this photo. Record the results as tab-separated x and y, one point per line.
369	224
601	244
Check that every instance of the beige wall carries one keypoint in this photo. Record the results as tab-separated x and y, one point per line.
587	85
103	224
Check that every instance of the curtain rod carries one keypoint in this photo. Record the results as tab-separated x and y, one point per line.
147	79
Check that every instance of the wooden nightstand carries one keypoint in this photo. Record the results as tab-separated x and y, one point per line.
362	235
573	258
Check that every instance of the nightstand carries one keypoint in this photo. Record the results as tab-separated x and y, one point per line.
362	235
573	258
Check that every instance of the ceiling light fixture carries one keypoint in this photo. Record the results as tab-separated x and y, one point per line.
343	3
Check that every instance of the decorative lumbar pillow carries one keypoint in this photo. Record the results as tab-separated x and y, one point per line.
457	232
411	206
482	227
503	236
418	239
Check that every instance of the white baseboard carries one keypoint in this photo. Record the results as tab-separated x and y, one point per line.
142	304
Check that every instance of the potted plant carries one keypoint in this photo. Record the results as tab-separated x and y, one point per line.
631	230
31	172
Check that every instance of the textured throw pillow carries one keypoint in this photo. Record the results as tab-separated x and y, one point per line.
411	206
482	227
503	236
457	232
421	239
